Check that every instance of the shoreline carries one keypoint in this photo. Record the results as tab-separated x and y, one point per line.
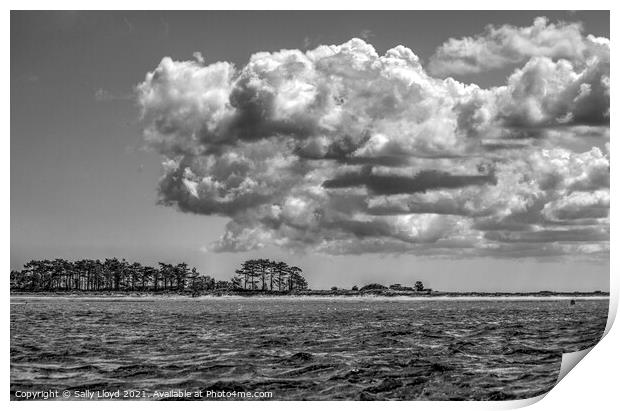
309	295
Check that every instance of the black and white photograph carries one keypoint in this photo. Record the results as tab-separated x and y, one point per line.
317	205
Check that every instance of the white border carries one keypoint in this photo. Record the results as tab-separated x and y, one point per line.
593	383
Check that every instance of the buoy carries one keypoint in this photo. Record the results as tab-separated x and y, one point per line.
572	302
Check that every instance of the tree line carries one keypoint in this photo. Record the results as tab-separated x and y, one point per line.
113	274
110	274
268	275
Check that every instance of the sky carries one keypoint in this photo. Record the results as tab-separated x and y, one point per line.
362	162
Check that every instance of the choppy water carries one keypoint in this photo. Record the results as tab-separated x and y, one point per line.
301	349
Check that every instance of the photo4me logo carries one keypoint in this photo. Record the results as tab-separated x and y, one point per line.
210	394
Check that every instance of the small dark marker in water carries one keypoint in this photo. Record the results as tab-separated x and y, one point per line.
572	302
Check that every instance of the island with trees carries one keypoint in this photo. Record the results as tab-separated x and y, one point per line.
113	276
120	276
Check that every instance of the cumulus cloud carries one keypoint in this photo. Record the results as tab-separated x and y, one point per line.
507	45
342	150
547	93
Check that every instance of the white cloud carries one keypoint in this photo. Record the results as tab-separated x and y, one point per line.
508	45
547	93
341	150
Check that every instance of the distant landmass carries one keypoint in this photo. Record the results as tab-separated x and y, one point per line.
313	293
256	277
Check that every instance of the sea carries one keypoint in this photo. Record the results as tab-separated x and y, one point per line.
252	348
